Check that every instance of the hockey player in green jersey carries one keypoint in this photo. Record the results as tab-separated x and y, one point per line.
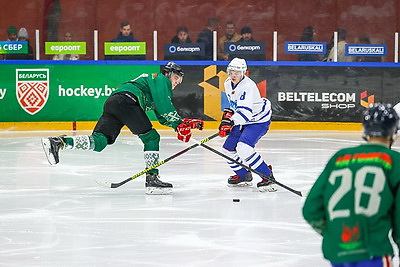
355	202
127	106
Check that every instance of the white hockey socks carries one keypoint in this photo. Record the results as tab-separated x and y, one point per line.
81	142
151	158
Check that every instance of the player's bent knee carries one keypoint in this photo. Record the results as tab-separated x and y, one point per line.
100	141
244	150
151	140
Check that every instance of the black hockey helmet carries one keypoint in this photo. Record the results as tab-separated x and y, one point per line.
172	67
380	120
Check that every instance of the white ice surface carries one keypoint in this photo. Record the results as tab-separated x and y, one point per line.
59	216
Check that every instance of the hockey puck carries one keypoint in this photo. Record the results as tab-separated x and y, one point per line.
236	200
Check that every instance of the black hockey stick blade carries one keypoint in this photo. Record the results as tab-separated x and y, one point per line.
115	185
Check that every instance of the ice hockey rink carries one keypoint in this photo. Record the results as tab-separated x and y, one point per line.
59	216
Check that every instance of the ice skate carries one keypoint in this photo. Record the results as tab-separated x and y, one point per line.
51	147
266	185
235	180
154	186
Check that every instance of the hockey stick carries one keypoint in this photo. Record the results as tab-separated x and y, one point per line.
115	185
299	193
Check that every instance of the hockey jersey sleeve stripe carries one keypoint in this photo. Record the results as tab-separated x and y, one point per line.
246	108
243	116
262	109
266	115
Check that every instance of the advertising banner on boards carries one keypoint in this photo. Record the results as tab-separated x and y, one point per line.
60	92
297	93
13	47
70	92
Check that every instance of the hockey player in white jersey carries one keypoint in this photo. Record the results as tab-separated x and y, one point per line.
246	120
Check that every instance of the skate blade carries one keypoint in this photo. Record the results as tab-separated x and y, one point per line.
158	190
46	148
268	188
242	184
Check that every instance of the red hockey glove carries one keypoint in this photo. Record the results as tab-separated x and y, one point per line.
194	123
227	113
226	123
184	132
225	127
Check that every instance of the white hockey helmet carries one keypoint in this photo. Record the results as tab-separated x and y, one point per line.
237	64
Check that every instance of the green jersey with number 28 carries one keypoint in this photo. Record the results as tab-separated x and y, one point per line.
355	202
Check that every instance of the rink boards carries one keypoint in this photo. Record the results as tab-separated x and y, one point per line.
46	95
89	125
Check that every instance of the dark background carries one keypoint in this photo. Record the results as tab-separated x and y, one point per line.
376	18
